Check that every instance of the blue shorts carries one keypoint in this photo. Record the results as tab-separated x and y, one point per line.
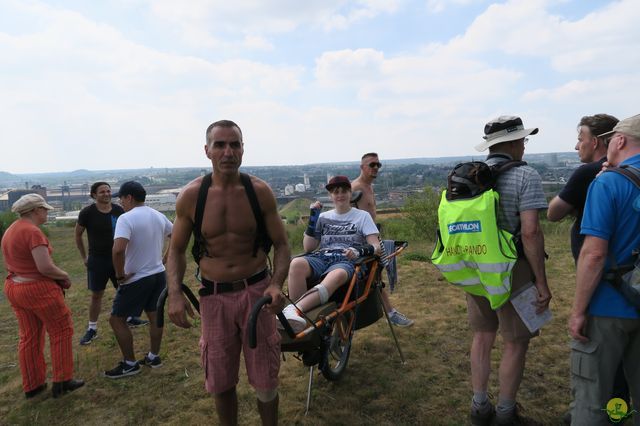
99	271
131	299
323	263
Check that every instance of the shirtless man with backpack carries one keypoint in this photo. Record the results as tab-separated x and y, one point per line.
234	274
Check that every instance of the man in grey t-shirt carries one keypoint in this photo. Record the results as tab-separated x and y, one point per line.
521	198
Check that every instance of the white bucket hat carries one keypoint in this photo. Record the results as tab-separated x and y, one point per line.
503	129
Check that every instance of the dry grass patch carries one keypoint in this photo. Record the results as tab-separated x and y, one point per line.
433	386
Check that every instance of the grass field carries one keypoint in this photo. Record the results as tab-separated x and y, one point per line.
433	387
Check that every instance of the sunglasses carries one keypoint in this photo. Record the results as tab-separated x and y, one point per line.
375	164
608	140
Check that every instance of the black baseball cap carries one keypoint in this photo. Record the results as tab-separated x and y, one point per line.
131	187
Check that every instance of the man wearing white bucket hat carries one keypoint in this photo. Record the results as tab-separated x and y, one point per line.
521	198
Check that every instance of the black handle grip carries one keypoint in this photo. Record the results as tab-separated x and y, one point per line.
163	299
253	319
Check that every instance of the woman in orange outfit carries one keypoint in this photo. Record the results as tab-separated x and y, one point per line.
34	289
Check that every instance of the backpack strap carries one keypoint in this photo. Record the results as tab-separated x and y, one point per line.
615	273
497	170
630	172
199	248
262	236
500	168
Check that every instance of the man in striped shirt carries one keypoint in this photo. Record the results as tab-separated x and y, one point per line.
521	199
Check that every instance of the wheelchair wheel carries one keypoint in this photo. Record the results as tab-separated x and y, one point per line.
336	352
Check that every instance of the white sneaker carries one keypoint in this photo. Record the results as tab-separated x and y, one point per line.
296	321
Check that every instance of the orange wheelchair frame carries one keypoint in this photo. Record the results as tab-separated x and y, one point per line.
326	341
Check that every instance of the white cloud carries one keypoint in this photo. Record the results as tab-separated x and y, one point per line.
348	67
205	21
84	86
437	6
599	91
257	43
362	10
526	29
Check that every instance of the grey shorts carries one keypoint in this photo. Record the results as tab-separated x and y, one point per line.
483	318
594	365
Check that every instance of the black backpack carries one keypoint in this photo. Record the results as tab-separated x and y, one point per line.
472	178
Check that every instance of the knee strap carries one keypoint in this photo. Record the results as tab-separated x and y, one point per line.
323	293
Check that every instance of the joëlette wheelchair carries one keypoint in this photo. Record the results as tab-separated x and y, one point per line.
326	342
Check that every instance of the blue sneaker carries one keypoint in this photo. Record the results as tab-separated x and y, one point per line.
400	320
89	336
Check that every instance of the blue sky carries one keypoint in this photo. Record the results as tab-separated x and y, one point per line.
134	83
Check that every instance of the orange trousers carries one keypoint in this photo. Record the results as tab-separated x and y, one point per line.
40	307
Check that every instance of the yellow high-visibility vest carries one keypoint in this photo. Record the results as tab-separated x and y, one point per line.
471	251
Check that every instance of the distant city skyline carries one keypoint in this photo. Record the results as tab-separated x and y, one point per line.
134	84
113	176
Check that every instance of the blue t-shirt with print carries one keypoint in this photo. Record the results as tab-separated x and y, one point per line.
612	213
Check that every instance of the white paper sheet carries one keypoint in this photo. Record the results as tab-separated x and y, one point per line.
523	302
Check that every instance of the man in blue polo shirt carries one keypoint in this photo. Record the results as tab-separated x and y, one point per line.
605	327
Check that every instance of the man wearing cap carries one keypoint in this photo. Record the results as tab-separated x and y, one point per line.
336	238
521	198
604	325
369	167
139	265
99	220
235	221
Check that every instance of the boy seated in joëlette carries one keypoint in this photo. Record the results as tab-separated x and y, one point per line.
333	240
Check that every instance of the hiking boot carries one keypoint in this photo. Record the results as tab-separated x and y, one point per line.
296	321
33	392
481	416
89	335
399	320
157	362
122	370
134	322
60	388
514	418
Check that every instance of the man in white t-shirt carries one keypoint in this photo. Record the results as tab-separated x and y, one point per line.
139	265
340	237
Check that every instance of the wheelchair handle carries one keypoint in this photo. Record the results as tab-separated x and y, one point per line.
163	299
253	320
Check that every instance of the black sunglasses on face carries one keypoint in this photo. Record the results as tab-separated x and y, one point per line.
375	164
606	141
